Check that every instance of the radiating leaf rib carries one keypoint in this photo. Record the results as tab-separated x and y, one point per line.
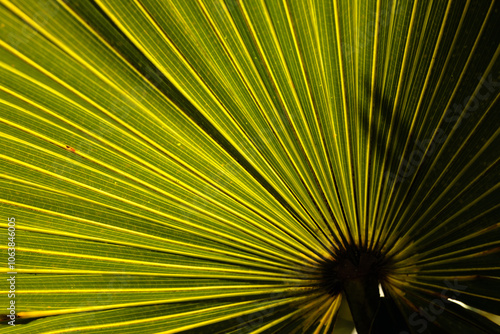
477	88
131	177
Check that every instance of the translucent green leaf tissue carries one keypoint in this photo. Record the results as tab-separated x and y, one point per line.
250	166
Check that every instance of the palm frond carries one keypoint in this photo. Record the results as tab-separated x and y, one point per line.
243	166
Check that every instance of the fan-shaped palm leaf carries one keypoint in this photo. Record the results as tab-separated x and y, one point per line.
241	166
